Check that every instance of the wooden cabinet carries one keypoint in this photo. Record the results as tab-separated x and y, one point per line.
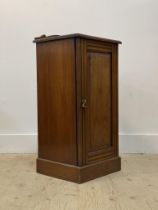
77	106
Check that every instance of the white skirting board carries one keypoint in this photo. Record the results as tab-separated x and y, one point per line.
139	143
128	143
18	143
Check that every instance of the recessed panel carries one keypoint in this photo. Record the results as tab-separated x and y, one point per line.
99	100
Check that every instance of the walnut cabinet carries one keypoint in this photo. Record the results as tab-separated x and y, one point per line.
77	82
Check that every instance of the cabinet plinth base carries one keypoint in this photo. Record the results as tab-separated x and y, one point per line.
78	174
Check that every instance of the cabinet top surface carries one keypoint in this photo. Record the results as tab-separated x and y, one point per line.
44	38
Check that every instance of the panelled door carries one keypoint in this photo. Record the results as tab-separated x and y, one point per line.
99	101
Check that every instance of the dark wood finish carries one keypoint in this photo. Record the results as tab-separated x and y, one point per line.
77	106
44	38
101	94
76	173
56	101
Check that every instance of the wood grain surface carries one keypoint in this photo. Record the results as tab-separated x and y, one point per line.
56	101
77	82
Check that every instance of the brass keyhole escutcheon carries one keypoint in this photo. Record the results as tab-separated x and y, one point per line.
84	102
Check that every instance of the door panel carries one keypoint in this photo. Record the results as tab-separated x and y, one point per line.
99	71
99	128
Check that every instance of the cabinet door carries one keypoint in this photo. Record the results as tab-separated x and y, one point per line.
99	102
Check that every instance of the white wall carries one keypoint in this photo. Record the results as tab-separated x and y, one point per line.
134	22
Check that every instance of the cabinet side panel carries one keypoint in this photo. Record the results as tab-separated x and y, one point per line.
56	101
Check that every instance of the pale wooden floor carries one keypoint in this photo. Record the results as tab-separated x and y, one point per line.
135	187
